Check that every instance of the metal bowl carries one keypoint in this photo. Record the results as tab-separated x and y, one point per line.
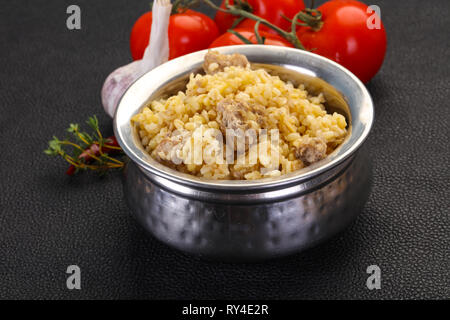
259	219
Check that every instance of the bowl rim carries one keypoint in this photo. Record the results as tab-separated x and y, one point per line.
123	128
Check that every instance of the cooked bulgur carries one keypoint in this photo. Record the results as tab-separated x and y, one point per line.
235	97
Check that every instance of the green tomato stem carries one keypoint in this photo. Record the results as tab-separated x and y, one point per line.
236	11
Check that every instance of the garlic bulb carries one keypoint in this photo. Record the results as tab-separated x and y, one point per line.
156	53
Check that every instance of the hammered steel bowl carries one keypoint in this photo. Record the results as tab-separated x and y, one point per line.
258	219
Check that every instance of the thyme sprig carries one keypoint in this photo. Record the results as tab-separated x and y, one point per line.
89	151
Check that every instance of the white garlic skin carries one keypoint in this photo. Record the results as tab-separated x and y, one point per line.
156	53
117	83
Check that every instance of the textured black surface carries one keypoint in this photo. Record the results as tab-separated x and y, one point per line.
51	76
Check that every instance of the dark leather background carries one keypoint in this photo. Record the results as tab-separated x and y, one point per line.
51	76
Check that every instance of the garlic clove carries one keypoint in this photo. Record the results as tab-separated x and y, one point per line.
156	53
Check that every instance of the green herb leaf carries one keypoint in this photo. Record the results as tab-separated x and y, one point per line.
87	151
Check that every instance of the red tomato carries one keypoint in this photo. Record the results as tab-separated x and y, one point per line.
188	32
229	39
346	38
271	10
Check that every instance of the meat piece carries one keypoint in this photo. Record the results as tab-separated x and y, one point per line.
216	62
162	150
232	114
238	116
260	112
165	151
311	150
236	174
